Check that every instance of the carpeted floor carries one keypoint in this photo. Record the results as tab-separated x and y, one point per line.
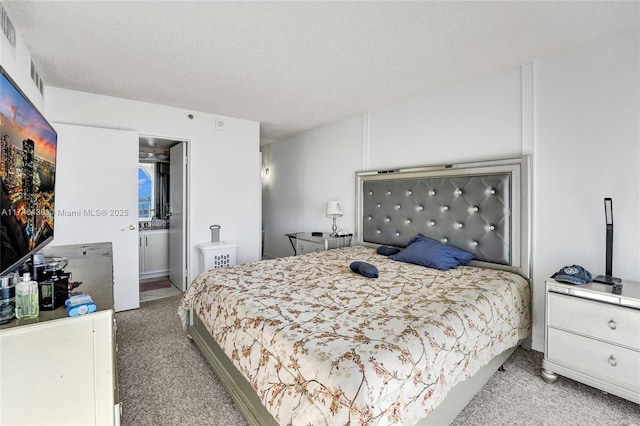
519	396
165	381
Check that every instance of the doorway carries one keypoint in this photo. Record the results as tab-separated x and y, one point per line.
162	216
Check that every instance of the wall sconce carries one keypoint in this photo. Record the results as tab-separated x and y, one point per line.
334	210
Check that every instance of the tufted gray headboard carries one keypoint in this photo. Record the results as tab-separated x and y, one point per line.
481	207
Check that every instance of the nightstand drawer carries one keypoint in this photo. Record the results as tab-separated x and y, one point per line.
595	356
600	320
306	246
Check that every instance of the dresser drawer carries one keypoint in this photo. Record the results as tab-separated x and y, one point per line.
595	356
600	320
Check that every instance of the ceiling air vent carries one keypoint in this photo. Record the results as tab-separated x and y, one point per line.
35	76
7	28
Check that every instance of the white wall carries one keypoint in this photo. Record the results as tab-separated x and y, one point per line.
224	170
17	62
313	167
304	173
587	147
474	119
583	111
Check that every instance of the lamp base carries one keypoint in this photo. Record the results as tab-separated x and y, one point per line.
607	279
334	229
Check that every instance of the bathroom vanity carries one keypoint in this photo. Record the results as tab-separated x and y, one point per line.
153	246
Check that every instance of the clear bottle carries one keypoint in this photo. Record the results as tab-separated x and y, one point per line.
27	303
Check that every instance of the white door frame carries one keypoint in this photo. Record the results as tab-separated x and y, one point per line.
187	199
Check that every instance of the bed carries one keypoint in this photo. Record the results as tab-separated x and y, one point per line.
305	340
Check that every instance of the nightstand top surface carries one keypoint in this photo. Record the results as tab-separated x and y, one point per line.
601	292
310	237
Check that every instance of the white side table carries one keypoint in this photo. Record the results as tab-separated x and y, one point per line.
305	242
593	336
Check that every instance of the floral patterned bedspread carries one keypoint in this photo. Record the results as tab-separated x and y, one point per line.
323	345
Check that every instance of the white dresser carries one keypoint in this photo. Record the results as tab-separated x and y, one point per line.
61	370
593	336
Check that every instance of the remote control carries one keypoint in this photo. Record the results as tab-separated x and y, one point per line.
616	288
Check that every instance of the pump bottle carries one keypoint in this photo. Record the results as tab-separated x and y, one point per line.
27	303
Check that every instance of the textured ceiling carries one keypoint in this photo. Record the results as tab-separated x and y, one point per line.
296	65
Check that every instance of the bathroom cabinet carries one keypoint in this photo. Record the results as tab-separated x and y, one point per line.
154	253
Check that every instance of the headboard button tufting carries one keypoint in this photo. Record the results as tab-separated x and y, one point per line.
466	207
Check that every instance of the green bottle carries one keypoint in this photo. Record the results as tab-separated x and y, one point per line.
27	303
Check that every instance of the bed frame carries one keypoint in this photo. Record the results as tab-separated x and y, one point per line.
482	207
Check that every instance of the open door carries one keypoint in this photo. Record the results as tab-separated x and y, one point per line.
177	216
97	199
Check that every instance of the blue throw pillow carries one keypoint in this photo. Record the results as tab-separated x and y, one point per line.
365	269
426	251
387	251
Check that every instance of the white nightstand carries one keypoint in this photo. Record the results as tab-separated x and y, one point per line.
593	336
305	242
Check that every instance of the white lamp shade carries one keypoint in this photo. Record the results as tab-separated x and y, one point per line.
334	209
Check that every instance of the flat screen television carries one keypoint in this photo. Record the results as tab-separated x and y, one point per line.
28	145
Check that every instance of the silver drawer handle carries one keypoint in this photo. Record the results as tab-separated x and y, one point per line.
613	361
613	325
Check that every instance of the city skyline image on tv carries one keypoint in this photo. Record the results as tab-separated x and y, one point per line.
28	145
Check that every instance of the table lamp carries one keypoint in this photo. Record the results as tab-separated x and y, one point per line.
334	210
608	278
